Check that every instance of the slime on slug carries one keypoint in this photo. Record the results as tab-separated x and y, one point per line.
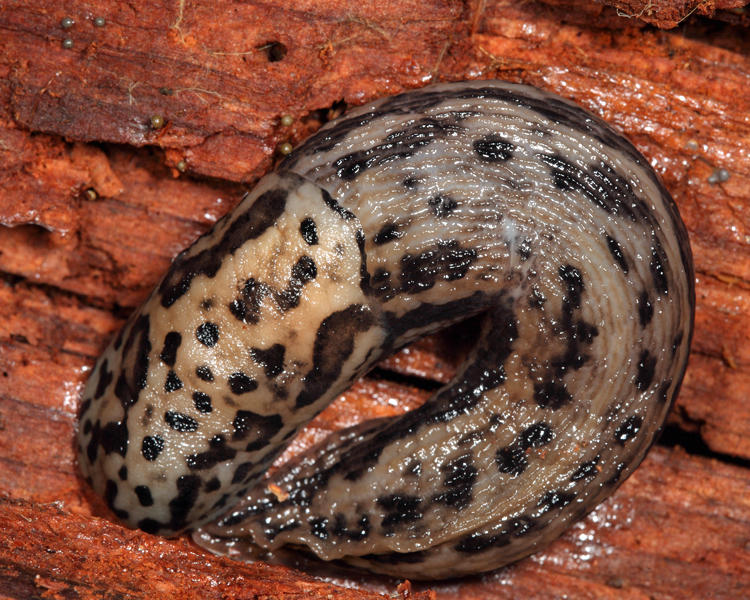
393	221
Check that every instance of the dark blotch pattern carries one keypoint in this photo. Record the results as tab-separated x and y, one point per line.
114	437
646	366
493	148
628	429
248	225
447	261
400	509
536	436
334	343
513	528
309	231
616	252
552	394
151	447
270	359
511	460
218	452
202	402
319	527
105	378
258	428
555	499
180	422
600	184
656	265
574	285
173	383
359	531
188	489
460	476
144	495
135	364
442	205
387	233
208	334
397	145
204	373
172	342
240	383
586	470
645	309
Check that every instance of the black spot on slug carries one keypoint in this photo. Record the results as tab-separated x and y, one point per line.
258	428
358	532
397	145
240	383
442	205
645	309
105	378
493	148
446	261
135	363
574	285
536	298
410	183
242	473
646	366
202	402
208	334
270	359
151	447
628	429
511	460
218	452
616	252
319	527
524	249
600	184
460	476
387	233
204	373
552	394
536	436
144	495
555	499
180	422
114	437
212	485
309	231
172	342
586	470
399	509
188	489
658	258
173	383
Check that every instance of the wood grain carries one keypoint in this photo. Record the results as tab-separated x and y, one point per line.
95	201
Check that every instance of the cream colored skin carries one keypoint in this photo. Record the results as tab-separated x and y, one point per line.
427	208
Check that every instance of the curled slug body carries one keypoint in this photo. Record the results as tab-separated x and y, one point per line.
399	218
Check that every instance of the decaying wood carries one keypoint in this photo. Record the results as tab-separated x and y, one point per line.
667	14
96	201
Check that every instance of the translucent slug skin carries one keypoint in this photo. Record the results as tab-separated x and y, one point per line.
397	219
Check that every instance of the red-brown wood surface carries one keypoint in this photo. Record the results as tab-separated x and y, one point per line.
95	201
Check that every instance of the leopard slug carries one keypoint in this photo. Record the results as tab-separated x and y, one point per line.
401	217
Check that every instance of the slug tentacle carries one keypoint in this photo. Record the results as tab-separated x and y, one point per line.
394	221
